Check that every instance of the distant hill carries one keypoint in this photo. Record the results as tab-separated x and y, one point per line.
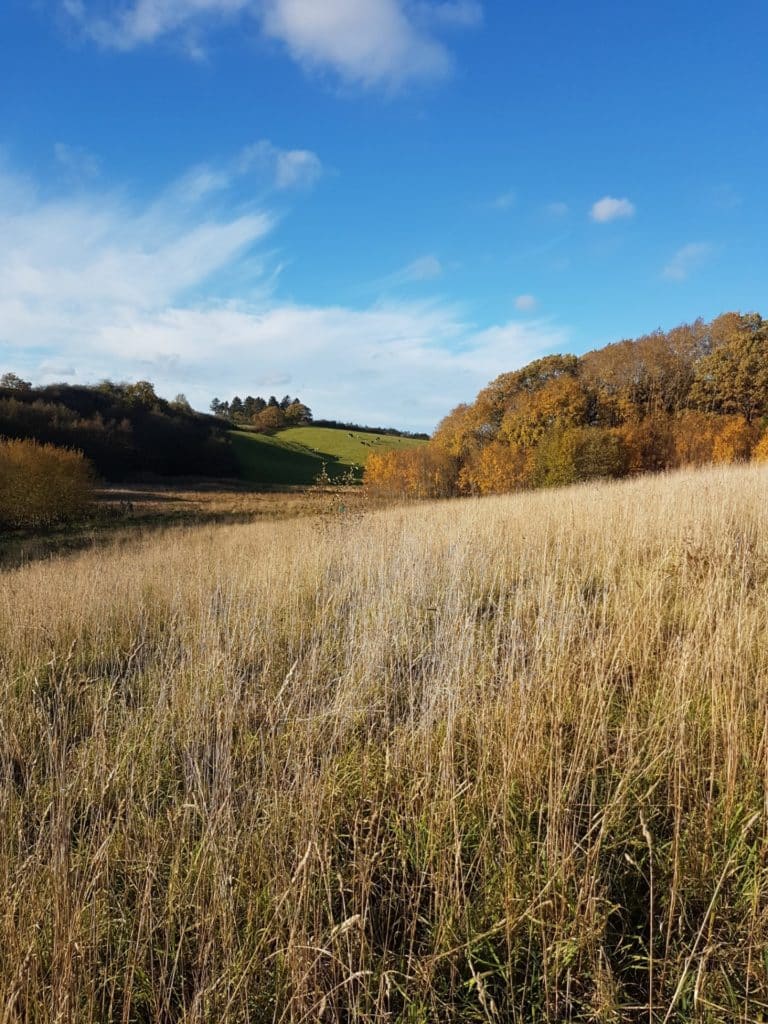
296	455
126	430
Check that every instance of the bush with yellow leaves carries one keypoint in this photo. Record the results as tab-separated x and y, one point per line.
41	484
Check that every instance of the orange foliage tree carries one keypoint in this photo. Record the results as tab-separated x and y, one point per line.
421	472
760	451
690	396
498	468
734	440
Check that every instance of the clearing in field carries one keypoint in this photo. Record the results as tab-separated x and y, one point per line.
297	455
494	760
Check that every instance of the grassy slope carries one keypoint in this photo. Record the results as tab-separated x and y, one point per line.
296	455
478	761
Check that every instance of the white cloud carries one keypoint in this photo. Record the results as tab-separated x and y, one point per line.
686	260
263	162
289	168
365	41
526	303
96	286
608	208
368	42
91	255
144	21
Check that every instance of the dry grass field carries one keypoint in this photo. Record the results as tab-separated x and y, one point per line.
490	760
121	513
218	500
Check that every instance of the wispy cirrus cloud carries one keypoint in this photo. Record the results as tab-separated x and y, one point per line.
424	268
687	260
289	168
366	42
608	209
264	164
95	285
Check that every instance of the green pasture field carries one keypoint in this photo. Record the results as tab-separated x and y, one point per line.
297	455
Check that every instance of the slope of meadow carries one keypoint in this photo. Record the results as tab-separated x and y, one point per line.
497	760
296	455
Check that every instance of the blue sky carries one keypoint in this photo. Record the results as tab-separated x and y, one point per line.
378	205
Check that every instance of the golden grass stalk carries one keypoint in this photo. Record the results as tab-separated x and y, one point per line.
502	759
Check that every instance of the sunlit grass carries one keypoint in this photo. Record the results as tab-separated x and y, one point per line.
494	760
297	455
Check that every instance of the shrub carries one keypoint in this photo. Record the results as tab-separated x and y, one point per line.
41	484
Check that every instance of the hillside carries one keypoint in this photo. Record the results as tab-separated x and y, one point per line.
125	430
493	760
296	455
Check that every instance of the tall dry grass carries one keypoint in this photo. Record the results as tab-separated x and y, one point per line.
496	760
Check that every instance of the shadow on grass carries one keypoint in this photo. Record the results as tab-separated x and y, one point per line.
270	460
19	548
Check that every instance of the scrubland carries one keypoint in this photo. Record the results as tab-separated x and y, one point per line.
499	759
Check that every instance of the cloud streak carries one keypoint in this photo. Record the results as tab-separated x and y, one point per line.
93	285
686	260
365	42
425	268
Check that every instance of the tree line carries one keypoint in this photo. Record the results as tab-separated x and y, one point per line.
124	429
264	415
690	396
268	415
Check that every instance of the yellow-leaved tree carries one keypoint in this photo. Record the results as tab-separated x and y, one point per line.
41	484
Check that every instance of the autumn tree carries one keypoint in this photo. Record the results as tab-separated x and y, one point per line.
270	419
734	440
560	401
41	484
297	412
569	455
495	400
498	469
649	443
760	451
458	433
693	438
734	378
421	472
